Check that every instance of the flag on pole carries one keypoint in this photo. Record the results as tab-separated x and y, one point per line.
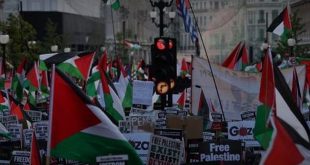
262	130
75	120
282	23
189	26
35	157
282	149
238	59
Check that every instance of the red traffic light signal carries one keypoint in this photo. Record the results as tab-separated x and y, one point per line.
163	68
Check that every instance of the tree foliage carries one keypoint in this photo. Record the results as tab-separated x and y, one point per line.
20	33
51	37
297	30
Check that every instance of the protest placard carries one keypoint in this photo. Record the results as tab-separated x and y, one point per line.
8	119
124	126
20	158
242	130
35	115
27	137
142	92
248	115
15	131
170	133
112	160
41	130
141	142
225	151
165	150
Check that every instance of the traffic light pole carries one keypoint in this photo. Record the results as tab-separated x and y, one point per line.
161	5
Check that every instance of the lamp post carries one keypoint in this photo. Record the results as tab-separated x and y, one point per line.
4	39
67	49
54	48
291	42
161	4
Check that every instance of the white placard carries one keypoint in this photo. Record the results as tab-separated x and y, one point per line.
142	92
141	143
242	130
41	128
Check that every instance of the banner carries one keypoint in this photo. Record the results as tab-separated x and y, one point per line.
237	90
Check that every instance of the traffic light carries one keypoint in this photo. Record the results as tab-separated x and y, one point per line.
163	69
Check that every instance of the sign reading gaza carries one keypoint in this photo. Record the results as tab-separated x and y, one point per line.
228	151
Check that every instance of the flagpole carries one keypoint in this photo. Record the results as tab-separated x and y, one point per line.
113	29
48	154
204	47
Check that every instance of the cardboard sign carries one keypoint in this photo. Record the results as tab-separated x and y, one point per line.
170	133
242	130
165	151
27	137
35	115
41	128
248	115
137	121
112	160
142	92
225	152
15	131
20	158
141	143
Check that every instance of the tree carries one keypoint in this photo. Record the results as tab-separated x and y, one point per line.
52	37
297	30
20	33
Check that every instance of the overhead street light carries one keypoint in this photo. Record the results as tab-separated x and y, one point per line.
4	39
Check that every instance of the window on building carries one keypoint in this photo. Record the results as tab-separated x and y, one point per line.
261	18
216	5
205	5
251	17
204	20
261	34
274	14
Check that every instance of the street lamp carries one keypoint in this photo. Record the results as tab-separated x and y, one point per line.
54	48
291	42
67	50
161	5
4	39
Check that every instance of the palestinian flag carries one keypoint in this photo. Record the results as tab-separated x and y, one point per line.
296	90
75	120
35	158
262	131
238	58
4	104
282	149
184	68
126	87
181	99
281	25
113	104
32	78
78	66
